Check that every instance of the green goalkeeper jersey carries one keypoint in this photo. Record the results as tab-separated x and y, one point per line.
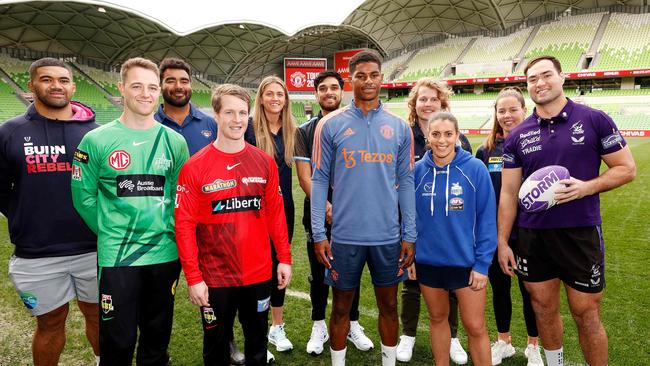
124	187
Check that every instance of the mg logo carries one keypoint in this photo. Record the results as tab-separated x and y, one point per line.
119	159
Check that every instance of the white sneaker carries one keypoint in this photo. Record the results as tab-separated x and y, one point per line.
457	353
279	339
318	337
236	357
501	350
405	348
358	337
269	357
534	356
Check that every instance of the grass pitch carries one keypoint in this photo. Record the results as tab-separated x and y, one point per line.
625	309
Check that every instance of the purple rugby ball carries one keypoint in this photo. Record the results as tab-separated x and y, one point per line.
538	190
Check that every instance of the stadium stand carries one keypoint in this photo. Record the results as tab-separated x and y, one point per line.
107	79
490	56
10	105
431	61
567	39
17	70
625	43
397	64
88	93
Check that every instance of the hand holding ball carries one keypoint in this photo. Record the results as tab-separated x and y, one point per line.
538	190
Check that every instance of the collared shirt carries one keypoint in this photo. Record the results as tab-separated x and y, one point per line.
198	128
576	139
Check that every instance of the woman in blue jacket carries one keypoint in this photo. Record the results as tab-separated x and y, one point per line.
456	237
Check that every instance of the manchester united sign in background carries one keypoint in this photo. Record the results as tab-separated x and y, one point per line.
342	66
299	73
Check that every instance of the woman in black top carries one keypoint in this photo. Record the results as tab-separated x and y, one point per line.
509	111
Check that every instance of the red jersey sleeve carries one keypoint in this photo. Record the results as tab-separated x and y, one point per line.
274	215
186	214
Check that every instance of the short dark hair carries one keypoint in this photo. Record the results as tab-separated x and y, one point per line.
174	63
364	56
47	61
555	61
328	74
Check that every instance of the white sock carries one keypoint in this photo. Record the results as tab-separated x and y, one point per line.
338	357
97	360
554	357
388	355
320	322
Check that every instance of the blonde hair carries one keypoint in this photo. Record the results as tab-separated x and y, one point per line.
497	131
228	89
438	85
137	62
261	126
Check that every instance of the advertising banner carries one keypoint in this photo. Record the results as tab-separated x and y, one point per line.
342	65
299	73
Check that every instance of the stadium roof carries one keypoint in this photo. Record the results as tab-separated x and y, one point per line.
243	49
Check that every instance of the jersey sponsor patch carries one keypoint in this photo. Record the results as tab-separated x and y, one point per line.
119	160
611	140
248	180
219	185
140	185
237	204
81	156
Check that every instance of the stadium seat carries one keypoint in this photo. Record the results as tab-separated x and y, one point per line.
567	39
432	60
631	51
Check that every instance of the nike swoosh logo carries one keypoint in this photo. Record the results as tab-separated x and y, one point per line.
139	143
231	167
105	319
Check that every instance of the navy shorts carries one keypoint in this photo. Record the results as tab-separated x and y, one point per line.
448	278
349	260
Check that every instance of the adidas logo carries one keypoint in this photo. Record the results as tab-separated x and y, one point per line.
348	132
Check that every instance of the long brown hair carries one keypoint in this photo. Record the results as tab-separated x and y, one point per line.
261	126
431	83
497	131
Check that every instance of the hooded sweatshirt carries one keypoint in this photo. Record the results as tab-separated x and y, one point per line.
36	156
455	213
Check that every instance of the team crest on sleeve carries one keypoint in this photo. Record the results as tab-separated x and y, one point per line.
119	160
387	131
76	173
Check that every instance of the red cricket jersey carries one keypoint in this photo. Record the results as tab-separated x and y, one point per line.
227	207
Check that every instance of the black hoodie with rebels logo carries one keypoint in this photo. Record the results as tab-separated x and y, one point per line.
36	156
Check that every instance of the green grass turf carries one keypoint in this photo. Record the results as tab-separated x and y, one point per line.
625	310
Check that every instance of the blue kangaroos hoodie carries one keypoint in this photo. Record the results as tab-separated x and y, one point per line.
455	213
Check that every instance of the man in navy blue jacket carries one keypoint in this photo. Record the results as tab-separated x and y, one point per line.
55	259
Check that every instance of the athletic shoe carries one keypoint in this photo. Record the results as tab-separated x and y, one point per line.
269	357
534	356
457	353
501	350
358	337
279	339
318	337
405	348
236	357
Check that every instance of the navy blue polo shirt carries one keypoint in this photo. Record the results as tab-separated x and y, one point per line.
576	138
198	128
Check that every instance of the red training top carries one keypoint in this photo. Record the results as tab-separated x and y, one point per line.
227	206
